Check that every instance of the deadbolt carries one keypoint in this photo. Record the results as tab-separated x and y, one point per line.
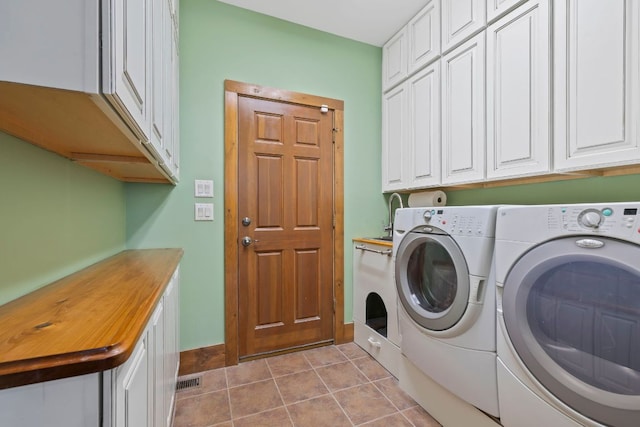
246	241
246	221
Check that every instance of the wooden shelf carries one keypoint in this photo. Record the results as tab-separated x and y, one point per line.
79	126
86	322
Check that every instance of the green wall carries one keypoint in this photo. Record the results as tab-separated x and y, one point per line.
56	217
219	42
584	190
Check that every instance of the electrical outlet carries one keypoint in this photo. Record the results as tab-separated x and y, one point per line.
203	188
204	211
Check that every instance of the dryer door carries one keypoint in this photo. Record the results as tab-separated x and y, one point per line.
432	279
572	311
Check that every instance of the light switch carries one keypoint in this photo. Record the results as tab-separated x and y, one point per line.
203	188
204	211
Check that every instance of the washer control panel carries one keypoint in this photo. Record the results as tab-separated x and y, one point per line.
461	221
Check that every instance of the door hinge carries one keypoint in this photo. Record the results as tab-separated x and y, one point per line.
334	131
333	221
334	305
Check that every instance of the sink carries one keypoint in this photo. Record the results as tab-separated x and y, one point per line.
385	238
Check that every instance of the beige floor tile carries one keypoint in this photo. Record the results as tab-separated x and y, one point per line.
364	403
324	356
341	375
395	420
371	368
391	389
202	410
253	398
420	418
288	364
319	412
278	417
352	350
211	381
248	372
301	386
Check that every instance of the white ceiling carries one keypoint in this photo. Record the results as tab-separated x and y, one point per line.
368	21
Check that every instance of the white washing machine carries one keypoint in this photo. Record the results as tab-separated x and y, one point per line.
446	298
568	305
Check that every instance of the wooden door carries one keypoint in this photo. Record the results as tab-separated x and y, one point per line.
285	190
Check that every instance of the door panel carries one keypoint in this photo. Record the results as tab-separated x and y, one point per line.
285	289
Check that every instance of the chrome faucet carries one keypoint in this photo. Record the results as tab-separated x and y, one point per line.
389	227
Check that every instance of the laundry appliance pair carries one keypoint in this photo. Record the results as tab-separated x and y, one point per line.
563	284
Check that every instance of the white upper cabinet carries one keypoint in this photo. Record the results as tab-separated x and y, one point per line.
460	20
423	135
497	8
463	111
105	99
596	83
518	97
129	85
394	127
423	33
394	60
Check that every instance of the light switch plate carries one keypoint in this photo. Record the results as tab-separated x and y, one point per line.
203	188
204	211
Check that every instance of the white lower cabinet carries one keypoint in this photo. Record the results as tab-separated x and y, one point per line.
518	97
596	89
463	113
138	393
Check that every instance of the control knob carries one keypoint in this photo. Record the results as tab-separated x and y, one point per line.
590	218
427	215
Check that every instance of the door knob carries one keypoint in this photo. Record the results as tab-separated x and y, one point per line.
246	221
246	241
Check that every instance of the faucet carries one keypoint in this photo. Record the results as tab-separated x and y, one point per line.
389	227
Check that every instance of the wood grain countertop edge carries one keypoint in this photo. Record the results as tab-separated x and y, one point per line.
373	241
130	283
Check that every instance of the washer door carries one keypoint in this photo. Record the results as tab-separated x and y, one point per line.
432	279
572	311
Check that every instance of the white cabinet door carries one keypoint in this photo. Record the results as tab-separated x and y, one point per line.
596	83
394	60
157	333
67	402
133	407
460	20
518	98
423	33
496	8
130	85
394	126
423	148
463	110
171	343
160	53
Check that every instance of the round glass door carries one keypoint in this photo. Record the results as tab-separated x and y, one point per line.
572	312
432	280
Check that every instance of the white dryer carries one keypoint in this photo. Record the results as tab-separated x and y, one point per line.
568	305
447	299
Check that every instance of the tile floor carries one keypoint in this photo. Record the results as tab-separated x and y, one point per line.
329	386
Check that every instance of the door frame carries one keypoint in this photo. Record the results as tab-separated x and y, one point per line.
233	91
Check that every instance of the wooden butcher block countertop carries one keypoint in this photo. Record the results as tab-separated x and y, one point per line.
87	322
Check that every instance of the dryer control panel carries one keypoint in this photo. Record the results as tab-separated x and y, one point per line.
607	219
